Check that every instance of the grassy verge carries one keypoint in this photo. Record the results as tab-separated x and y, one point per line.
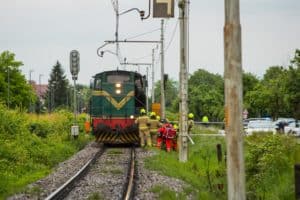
269	164
30	146
202	172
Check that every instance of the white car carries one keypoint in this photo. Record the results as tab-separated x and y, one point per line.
292	128
260	126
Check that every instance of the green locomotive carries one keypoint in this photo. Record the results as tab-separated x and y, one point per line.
117	97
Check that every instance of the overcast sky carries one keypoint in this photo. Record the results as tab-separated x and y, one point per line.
40	32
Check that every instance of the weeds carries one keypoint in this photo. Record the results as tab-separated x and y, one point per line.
31	145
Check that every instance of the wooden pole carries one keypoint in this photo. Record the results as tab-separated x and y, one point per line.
233	101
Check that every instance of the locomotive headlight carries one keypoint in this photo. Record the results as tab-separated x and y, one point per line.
118	85
118	91
131	117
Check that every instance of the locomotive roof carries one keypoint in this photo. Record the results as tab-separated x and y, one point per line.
119	72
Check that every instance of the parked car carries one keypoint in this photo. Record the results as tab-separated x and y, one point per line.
293	128
265	126
246	121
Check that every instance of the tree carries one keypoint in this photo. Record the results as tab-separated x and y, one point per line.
269	97
57	88
14	89
249	82
171	92
206	95
293	85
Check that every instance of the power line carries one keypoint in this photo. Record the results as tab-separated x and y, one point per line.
148	32
172	37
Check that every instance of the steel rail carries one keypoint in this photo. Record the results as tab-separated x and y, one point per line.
131	176
63	190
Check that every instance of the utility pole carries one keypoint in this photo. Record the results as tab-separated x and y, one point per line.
8	82
116	9
30	103
233	101
183	108
147	90
162	63
40	85
152	92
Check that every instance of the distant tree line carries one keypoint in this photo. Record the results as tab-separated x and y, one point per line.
275	95
16	92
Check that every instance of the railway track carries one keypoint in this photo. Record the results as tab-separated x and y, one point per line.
109	174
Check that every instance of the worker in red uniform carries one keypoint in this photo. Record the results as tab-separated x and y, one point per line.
144	133
160	133
167	137
170	136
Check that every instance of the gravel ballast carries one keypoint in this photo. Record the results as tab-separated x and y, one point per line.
106	177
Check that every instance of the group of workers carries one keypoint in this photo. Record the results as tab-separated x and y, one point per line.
160	133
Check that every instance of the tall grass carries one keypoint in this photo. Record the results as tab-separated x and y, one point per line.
202	172
31	145
269	164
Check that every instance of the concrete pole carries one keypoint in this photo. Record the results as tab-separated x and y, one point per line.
183	83
153	87
30	103
8	82
117	26
147	90
233	101
40	84
162	62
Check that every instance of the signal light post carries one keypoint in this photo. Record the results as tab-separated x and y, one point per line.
74	68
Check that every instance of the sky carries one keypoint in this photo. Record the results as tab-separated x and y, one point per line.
41	32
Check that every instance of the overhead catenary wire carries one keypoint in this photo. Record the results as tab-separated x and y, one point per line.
172	36
142	34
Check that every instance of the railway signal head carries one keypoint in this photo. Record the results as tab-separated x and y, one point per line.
74	63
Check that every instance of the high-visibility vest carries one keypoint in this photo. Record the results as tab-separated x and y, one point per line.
87	127
154	125
143	122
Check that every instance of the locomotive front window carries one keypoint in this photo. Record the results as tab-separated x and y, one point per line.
120	78
138	83
98	84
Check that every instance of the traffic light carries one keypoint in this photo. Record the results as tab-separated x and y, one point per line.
74	63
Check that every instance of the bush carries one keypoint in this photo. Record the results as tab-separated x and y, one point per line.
31	145
269	166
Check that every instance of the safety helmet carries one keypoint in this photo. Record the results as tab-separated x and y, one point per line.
175	126
158	117
152	114
191	115
143	111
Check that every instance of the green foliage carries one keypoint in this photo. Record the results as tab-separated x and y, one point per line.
269	167
171	93
18	92
164	193
277	94
206	95
31	145
95	196
202	171
269	161
57	93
